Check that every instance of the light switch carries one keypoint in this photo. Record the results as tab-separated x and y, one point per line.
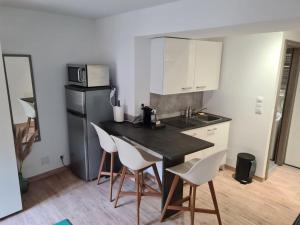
258	111
259	105
259	99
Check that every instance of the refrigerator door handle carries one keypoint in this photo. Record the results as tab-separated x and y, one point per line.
76	113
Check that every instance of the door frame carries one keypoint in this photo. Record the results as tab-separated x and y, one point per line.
288	104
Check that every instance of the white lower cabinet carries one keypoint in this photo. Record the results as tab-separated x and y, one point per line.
217	134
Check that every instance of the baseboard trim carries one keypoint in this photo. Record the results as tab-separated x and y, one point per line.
47	174
257	178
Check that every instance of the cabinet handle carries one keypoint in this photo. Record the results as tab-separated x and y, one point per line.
214	129
186	88
201	87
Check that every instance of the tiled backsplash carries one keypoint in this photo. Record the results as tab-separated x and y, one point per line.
173	105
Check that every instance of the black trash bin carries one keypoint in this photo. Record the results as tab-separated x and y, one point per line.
245	168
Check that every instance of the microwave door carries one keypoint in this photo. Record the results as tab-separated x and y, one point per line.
75	75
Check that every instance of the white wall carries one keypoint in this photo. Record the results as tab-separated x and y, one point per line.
142	72
52	41
250	68
10	197
116	34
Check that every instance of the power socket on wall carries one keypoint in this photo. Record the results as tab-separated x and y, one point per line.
62	159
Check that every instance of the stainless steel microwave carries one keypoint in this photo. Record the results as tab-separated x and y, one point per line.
88	75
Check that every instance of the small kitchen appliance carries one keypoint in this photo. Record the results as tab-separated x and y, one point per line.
86	75
150	118
147	115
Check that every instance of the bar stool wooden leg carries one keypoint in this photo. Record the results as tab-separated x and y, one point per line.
214	198
190	195
121	185
138	195
193	201
142	182
157	176
101	166
170	196
112	156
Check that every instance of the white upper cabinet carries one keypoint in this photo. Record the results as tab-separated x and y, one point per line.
207	65
181	65
172	66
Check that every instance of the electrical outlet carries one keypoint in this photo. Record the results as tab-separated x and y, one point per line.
62	159
45	160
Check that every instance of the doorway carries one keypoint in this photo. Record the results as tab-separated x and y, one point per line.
284	106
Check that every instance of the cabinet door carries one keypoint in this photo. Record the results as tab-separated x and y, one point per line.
178	66
200	134
207	65
222	136
218	134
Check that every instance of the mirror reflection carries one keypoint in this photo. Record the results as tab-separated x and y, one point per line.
21	92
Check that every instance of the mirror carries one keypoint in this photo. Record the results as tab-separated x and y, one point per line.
21	92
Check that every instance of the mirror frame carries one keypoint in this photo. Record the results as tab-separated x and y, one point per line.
38	138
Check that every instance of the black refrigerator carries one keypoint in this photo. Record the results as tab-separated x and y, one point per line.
85	105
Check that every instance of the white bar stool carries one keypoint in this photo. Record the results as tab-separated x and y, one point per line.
108	146
195	172
137	161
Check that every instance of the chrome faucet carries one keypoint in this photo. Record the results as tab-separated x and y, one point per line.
202	109
188	111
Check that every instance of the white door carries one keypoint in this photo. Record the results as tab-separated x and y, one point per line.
10	197
178	66
293	148
207	65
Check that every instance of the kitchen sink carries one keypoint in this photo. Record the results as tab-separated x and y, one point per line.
206	118
180	122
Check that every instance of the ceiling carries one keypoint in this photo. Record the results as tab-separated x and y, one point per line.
91	9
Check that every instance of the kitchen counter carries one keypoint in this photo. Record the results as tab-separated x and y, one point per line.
168	141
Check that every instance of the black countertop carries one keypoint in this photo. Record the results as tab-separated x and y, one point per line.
168	141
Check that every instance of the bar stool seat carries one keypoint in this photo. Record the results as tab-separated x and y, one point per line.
149	158
183	168
138	161
195	172
108	146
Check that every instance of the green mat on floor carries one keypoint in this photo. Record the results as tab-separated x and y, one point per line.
64	222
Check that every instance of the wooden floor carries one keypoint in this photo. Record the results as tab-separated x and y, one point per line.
274	202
